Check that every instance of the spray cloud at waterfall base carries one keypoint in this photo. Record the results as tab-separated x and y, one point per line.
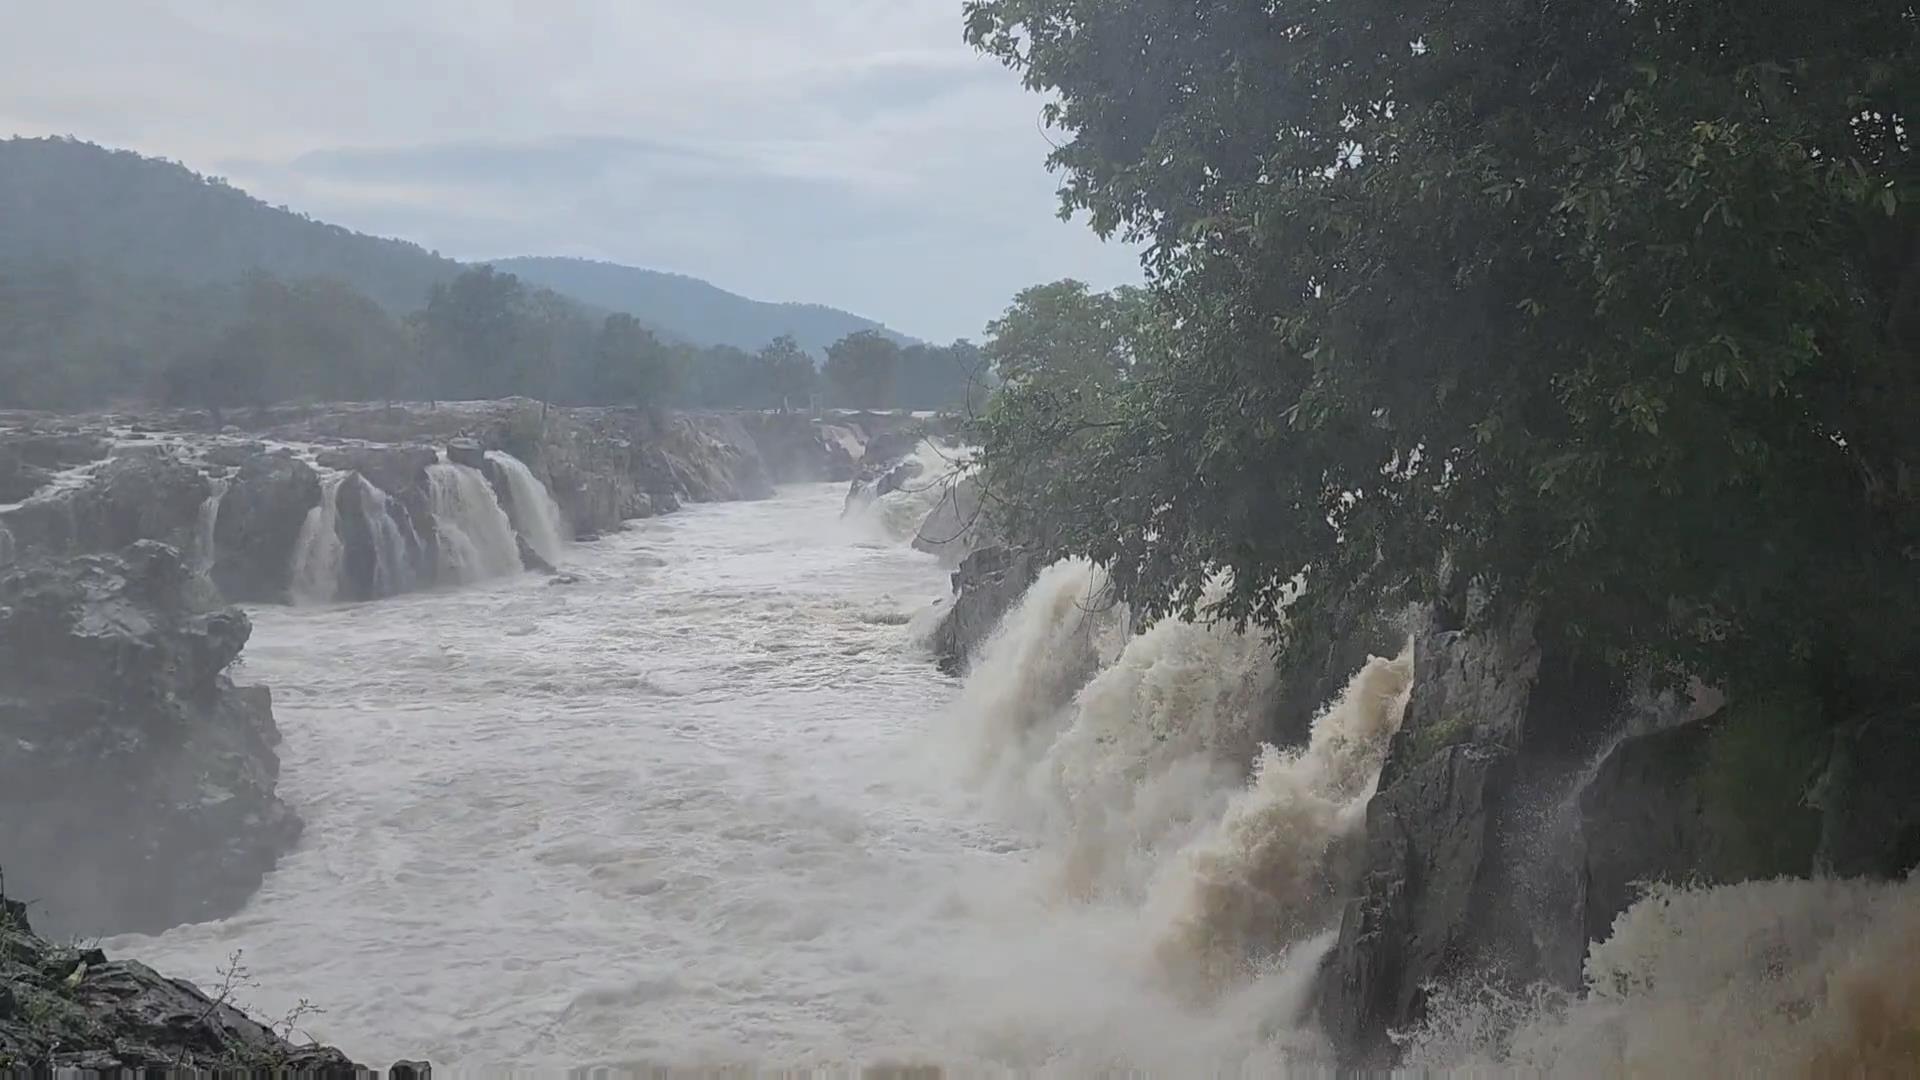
1207	894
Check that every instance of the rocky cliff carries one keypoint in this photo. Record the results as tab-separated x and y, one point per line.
347	495
136	780
1528	799
70	1008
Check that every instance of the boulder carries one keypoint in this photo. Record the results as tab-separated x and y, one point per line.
395	470
136	781
70	1009
149	496
987	584
467	451
232	455
259	525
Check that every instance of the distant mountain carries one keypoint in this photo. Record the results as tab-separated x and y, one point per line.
690	309
65	201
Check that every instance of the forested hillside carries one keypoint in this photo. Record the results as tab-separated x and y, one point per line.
126	278
71	202
691	309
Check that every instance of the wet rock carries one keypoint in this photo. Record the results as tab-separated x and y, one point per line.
1868	799
393	469
529	558
1424	875
1642	819
261	516
564	579
987	584
234	454
154	496
73	1009
468	452
1471	857
18	479
136	781
958	525
6	547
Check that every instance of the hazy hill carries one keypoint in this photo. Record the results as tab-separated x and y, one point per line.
691	309
63	201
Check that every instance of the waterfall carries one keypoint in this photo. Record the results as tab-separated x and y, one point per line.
925	479
392	566
476	538
533	512
1135	753
316	555
203	542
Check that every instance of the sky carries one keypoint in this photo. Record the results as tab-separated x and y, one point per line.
855	153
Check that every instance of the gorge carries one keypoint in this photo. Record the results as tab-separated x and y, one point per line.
587	742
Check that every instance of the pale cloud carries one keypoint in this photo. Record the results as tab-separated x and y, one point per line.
850	152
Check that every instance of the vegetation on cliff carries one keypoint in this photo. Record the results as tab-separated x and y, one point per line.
1607	309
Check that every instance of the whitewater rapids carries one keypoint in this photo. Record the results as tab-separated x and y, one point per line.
690	810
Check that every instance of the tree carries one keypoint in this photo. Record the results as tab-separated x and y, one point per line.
630	365
785	373
861	367
1606	309
474	334
1064	330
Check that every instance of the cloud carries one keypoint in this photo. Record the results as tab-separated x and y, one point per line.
850	152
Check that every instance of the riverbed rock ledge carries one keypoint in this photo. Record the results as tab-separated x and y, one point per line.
136	780
70	1009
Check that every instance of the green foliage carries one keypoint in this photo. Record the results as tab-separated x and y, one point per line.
1610	308
787	373
630	365
861	368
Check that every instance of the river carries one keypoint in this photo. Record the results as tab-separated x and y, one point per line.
697	807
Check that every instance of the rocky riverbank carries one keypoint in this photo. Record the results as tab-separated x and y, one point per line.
70	1008
356	502
136	779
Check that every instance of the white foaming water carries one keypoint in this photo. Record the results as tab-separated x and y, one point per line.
697	809
203	542
317	553
476	538
392	569
897	515
1771	978
533	511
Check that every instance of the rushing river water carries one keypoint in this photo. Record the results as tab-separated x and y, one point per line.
691	809
711	805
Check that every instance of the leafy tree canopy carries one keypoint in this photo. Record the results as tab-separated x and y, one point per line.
1609	308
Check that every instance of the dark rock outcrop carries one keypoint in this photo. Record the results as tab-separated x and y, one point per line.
259	524
70	1008
467	451
987	584
136	781
1643	818
800	449
145	496
1869	799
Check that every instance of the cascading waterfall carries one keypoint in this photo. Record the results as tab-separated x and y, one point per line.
392	567
898	514
209	519
1135	751
476	537
533	511
317	553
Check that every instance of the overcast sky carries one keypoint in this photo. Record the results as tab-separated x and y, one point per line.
850	152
